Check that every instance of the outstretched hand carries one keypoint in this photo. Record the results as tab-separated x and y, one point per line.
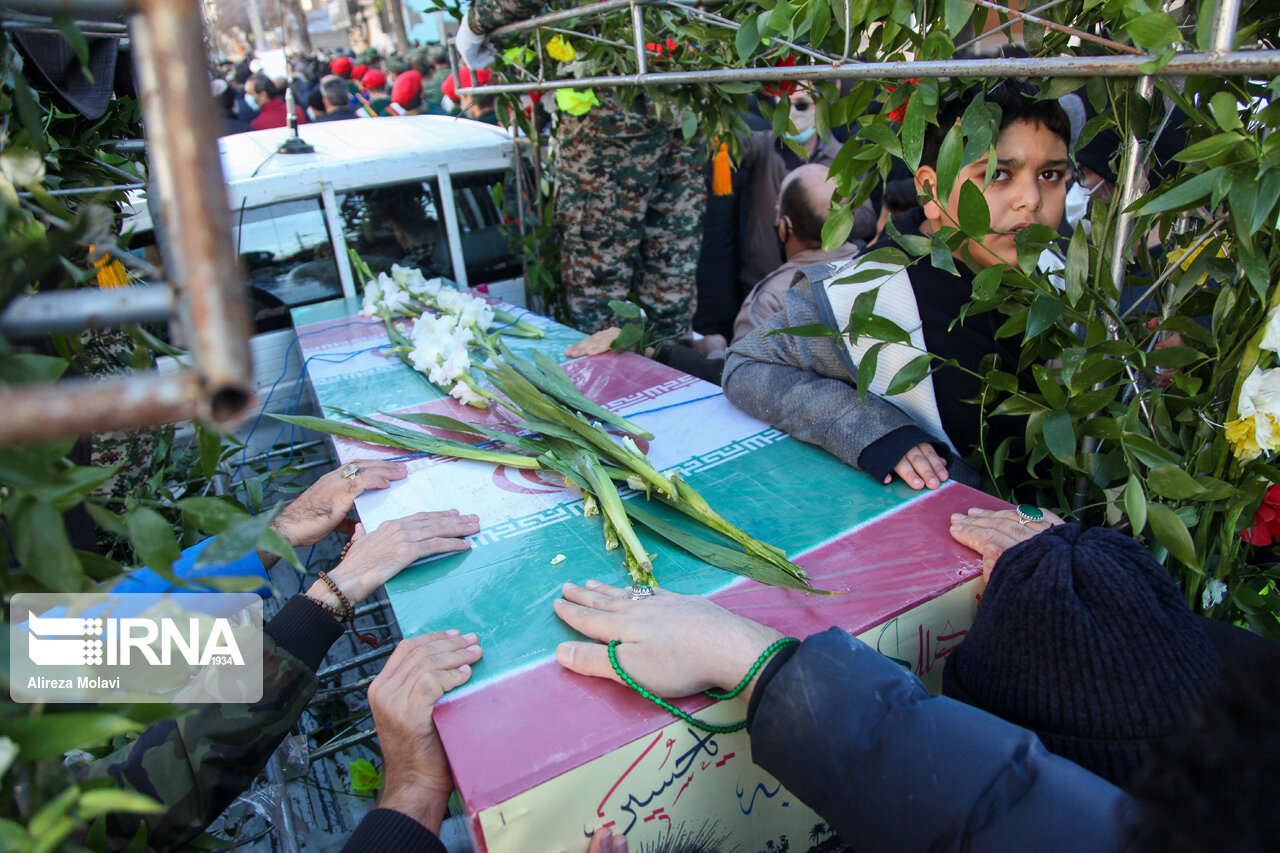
375	558
991	532
416	776
319	510
672	644
596	344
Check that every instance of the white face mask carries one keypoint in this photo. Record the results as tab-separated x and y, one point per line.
803	119
253	105
1077	205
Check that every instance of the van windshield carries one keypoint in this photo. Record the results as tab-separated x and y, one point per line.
287	252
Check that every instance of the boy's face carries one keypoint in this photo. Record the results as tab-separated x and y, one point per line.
1029	187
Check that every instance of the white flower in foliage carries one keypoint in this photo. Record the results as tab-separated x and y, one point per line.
1271	337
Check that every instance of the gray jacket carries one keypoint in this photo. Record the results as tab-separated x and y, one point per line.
807	386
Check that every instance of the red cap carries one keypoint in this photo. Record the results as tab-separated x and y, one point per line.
373	79
407	87
358	72
450	85
341	66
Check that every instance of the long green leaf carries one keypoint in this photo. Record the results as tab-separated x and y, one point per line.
425	444
549	378
453	425
720	556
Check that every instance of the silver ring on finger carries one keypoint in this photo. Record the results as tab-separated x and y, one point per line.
1028	513
638	592
350	470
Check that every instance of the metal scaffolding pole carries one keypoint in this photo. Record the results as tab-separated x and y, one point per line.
211	300
37	314
1233	63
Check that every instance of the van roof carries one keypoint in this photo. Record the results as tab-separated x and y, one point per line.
357	153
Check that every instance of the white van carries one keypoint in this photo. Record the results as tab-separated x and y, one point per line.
406	190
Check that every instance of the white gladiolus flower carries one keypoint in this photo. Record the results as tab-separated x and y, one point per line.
1271	337
452	301
372	298
463	393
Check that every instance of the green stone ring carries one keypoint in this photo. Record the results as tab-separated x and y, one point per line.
1027	512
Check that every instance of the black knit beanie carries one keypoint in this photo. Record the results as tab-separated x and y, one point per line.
1083	638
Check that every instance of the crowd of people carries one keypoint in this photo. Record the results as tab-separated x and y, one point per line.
346	87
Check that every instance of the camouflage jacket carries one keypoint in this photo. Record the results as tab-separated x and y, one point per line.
198	764
487	15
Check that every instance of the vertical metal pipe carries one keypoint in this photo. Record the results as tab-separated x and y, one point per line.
452	234
339	242
1133	181
1224	26
637	38
182	142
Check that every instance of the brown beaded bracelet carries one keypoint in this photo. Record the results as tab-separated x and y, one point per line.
347	614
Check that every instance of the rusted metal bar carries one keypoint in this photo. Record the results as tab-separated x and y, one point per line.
182	143
38	314
88	405
1234	63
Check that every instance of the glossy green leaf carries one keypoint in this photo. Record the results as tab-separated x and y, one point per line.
1172	534
867	369
1135	504
949	160
1209	148
41	545
877	327
911	375
1045	311
1184	194
1060	436
809	330
1154	31
835	231
1172	483
212	515
975	218
912	131
747	38
1225	111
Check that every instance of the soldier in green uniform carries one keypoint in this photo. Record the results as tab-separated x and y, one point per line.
629	198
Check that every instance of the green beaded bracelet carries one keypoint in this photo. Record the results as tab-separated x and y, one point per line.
755	667
684	715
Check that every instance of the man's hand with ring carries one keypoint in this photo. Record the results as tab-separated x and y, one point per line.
319	510
991	532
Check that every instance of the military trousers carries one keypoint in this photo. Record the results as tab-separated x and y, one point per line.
630	195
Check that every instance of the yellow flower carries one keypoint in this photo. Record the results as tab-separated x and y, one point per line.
576	102
1251	435
1243	438
560	49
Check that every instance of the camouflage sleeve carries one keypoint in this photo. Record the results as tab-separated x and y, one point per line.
486	15
198	764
